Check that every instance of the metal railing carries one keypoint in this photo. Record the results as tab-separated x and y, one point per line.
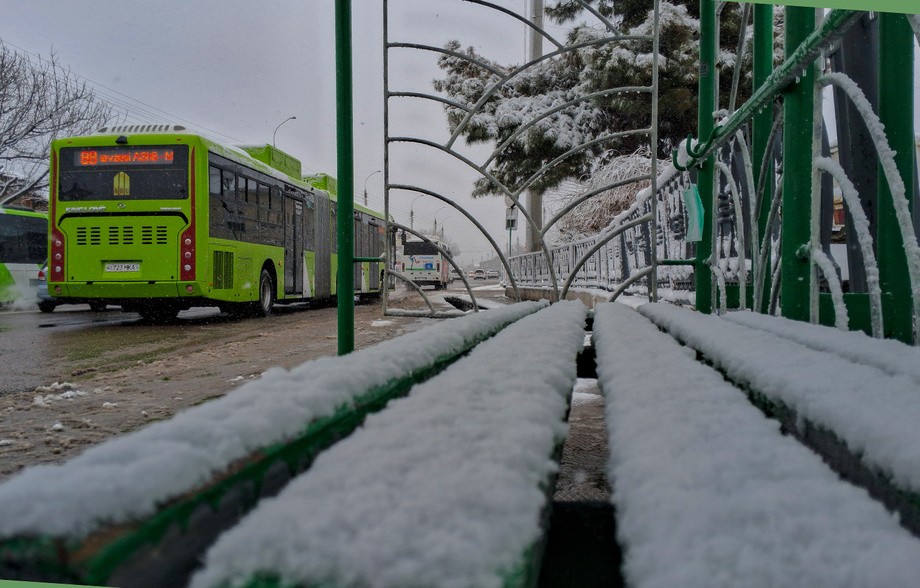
766	179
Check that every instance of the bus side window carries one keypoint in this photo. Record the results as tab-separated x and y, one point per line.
264	198
220	213
309	226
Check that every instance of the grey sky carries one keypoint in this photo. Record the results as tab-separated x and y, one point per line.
238	68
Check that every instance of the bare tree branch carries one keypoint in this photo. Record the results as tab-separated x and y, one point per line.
38	103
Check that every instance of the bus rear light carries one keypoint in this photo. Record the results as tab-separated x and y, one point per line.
56	271
187	267
57	289
189	288
187	239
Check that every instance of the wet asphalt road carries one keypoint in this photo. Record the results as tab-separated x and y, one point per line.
36	348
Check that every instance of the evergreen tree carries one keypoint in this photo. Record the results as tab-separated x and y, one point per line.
591	68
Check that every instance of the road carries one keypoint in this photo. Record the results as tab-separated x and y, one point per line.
74	377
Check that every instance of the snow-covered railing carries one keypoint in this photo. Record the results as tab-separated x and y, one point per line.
447	487
708	492
614	258
138	510
774	237
850	397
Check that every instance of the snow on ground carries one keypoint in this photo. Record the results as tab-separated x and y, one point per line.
126	478
875	413
443	488
709	494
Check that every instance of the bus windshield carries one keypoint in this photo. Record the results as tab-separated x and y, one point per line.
145	172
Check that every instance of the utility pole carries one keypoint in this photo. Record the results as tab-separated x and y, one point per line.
534	198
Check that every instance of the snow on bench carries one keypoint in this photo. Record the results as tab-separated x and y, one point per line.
446	487
891	356
856	405
115	503
708	492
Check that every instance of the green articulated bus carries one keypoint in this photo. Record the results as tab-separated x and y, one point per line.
158	220
23	250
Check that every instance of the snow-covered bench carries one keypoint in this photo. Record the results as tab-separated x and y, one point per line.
139	510
448	486
710	493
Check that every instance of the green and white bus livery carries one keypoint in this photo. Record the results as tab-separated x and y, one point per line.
158	220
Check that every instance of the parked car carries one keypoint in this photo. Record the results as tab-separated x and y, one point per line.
479	274
47	302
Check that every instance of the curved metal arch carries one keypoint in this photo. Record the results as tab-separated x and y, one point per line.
597	246
446	254
587	196
432	97
577	149
544	115
434	49
461	210
487	95
517	16
485	173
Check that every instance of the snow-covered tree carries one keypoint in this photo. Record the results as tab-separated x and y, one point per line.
588	69
38	102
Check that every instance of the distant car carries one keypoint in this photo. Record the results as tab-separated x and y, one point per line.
479	274
47	302
492	274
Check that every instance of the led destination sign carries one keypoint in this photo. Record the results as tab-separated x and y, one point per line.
94	157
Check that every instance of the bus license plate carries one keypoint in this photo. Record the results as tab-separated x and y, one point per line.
122	267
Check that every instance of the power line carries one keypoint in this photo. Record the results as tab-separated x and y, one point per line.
127	102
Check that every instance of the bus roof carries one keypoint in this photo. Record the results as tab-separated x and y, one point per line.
265	158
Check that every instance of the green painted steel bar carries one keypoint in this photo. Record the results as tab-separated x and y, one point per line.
345	277
705	174
761	127
896	52
810	47
798	106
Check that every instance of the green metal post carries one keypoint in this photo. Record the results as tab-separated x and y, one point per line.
762	125
345	277
896	51
798	107
705	173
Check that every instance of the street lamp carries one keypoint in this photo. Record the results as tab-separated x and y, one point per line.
436	218
444	220
412	213
365	185
279	126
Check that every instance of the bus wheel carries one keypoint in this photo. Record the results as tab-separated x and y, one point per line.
98	306
266	294
46	306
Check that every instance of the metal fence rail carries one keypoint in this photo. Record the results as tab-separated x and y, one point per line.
766	179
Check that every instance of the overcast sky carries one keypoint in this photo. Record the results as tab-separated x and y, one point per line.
238	68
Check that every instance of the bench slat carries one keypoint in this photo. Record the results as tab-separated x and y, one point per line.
103	516
710	494
446	487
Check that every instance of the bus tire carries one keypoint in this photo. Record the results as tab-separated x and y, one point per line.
46	306
98	306
266	295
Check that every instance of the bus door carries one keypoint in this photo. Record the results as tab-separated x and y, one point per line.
323	242
293	246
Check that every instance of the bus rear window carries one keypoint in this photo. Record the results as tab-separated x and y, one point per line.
147	172
420	248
